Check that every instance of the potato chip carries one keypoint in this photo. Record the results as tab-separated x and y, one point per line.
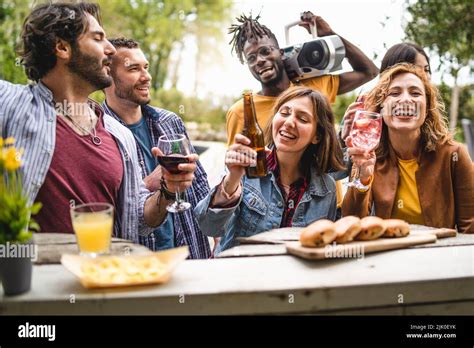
123	270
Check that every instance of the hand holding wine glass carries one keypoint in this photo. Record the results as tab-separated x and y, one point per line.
363	160
178	163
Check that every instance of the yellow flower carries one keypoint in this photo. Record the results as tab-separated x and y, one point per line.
9	141
1	142
12	159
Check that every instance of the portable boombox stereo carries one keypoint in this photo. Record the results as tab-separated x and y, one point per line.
317	57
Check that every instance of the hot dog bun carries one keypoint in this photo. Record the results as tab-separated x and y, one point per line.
347	228
372	228
396	228
318	234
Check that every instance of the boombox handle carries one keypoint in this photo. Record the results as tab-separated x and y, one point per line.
314	31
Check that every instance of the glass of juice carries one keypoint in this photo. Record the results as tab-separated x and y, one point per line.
93	225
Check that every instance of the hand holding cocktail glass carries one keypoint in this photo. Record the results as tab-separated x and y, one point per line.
178	164
363	140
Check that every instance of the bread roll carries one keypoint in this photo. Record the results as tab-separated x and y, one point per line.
318	234
372	228
396	228
347	229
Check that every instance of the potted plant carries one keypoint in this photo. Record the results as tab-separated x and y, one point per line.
16	225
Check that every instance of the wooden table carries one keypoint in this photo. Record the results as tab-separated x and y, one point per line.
428	280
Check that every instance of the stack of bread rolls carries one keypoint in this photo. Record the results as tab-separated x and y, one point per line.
349	228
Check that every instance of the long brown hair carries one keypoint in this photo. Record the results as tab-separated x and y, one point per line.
326	155
434	130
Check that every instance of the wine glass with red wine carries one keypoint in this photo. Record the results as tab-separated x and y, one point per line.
175	149
365	134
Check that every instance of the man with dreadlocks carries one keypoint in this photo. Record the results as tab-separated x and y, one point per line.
255	44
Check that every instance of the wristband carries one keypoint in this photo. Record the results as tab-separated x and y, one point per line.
169	196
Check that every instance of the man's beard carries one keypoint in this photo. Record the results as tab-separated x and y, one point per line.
89	68
127	93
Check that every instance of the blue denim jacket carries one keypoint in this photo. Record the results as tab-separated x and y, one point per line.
261	208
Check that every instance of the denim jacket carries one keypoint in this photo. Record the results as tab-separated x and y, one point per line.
261	208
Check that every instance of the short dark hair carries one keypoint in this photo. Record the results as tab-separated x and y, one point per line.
325	156
121	42
44	26
249	30
402	53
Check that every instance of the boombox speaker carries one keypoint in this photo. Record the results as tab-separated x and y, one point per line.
317	57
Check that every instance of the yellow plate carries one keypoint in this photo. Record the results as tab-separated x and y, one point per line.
121	270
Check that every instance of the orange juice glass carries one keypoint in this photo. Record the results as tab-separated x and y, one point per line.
93	225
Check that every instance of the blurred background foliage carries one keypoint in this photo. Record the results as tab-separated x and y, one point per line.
446	28
162	27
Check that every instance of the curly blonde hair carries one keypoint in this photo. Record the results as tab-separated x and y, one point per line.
434	130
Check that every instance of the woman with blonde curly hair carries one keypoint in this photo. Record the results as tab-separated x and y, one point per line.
417	173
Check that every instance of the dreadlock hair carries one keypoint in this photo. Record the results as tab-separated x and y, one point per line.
249	30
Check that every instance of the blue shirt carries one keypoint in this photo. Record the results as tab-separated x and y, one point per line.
142	137
164	235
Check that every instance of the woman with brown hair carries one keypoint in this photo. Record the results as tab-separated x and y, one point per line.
417	173
297	190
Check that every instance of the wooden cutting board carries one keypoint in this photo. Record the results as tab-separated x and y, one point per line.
287	234
359	248
439	232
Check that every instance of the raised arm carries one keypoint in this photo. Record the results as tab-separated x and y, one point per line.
364	69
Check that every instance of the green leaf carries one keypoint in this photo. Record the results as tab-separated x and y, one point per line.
35	208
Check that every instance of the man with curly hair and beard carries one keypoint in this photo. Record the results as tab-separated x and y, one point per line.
73	152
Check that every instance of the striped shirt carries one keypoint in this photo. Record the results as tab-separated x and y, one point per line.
186	227
27	113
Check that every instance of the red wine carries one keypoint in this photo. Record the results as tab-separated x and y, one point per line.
171	162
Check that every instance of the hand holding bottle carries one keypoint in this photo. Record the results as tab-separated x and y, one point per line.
238	156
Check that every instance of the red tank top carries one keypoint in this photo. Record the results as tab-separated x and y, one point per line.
80	172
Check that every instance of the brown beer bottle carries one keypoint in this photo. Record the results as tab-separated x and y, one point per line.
253	131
